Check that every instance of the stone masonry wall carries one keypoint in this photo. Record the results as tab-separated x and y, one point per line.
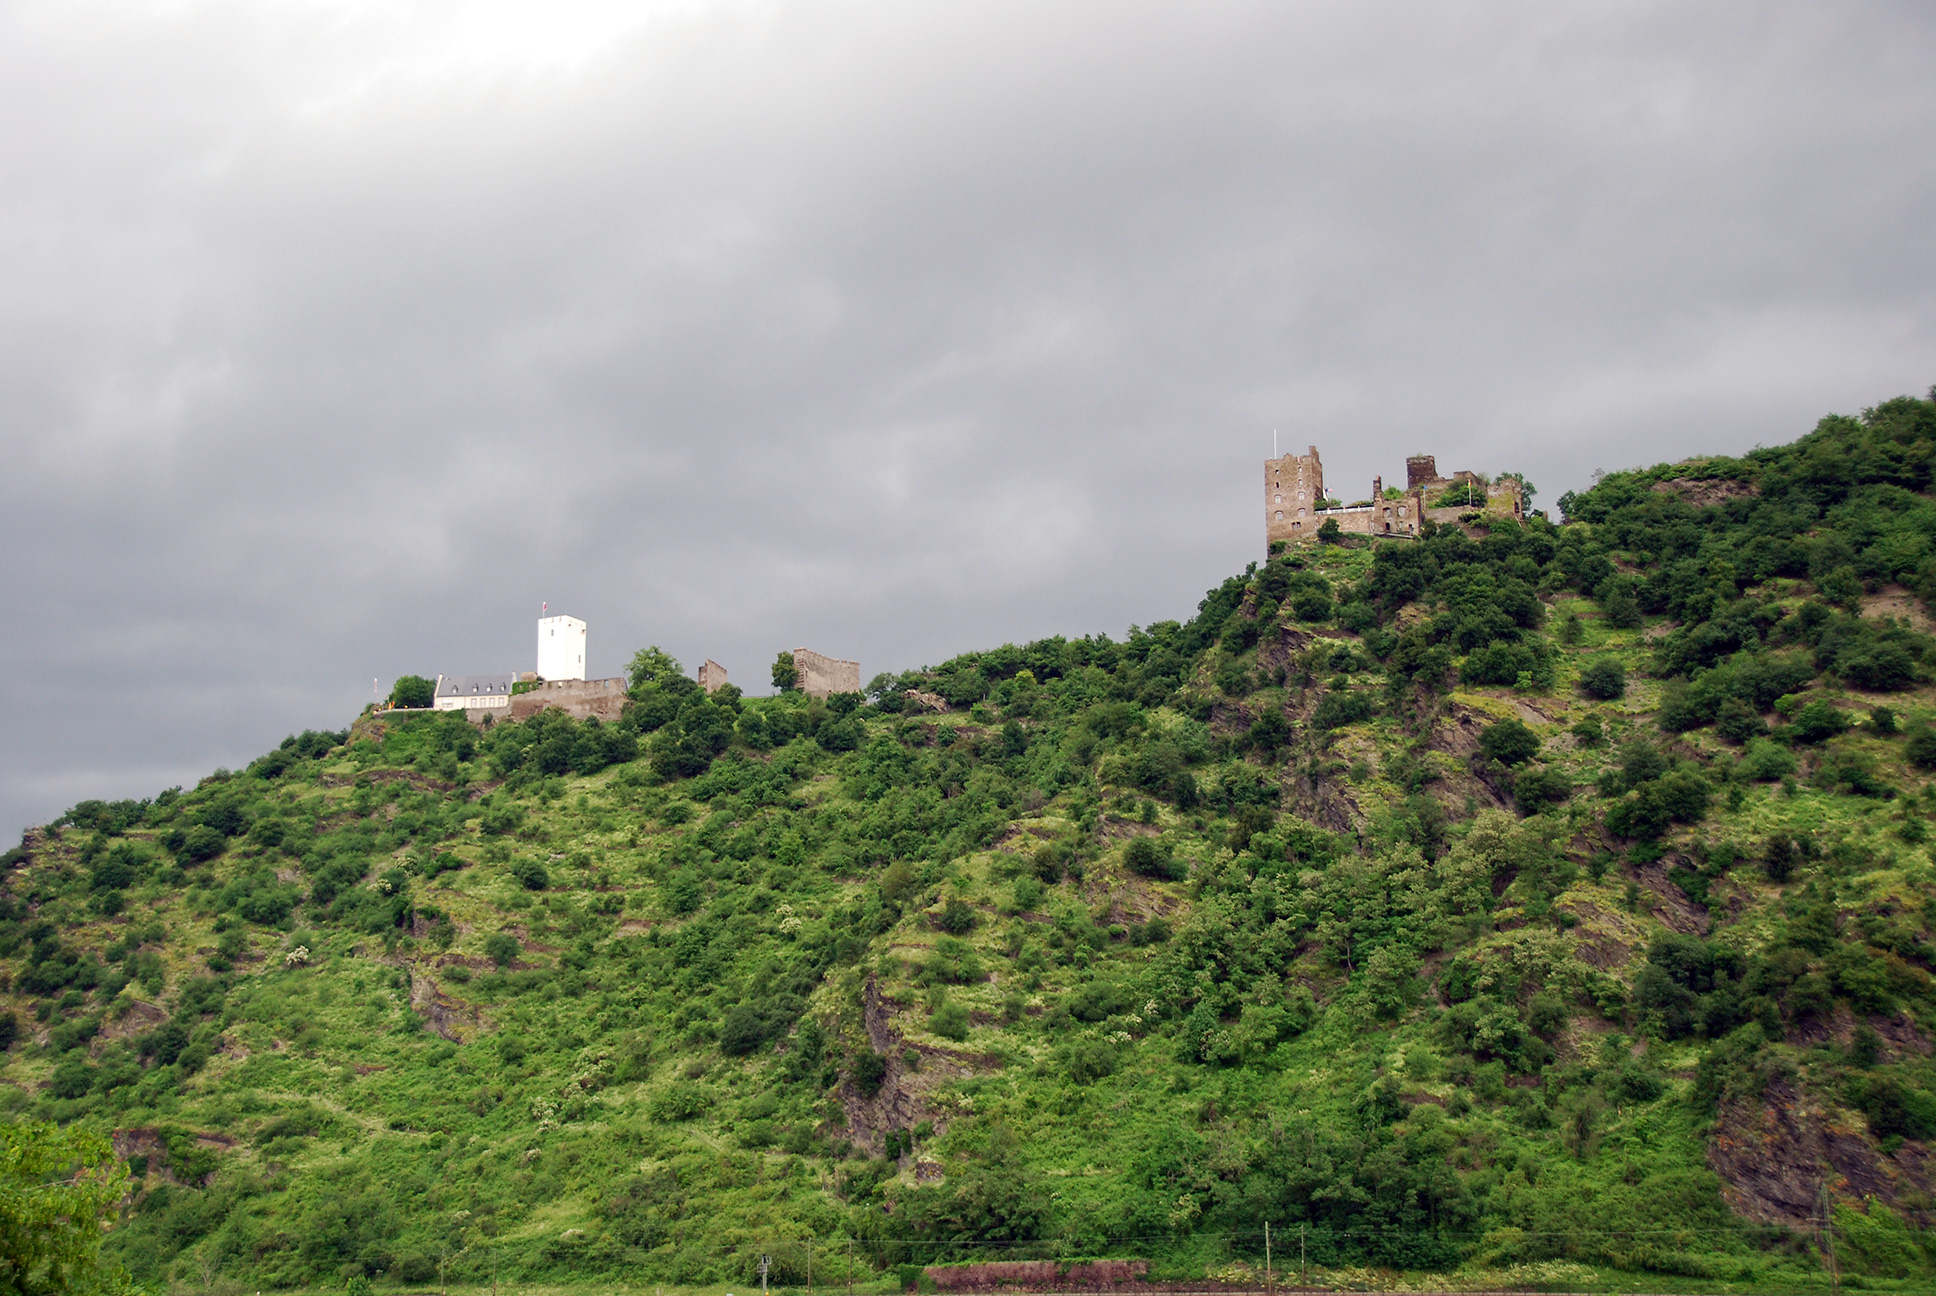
821	676
580	699
1293	487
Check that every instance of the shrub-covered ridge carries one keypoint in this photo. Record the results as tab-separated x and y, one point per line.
1524	895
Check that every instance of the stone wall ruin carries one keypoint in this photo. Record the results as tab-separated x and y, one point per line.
820	676
1294	493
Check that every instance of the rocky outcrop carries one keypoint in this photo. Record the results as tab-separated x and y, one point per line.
444	1016
904	1098
1775	1155
1703	493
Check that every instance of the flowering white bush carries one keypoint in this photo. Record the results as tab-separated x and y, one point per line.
296	957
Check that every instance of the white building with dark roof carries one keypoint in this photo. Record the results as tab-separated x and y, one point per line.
467	692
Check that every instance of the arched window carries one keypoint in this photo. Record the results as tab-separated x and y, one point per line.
1280	515
1300	512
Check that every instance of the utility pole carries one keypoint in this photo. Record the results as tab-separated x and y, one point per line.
850	1267
1267	1257
809	1264
1302	1279
766	1262
1828	1243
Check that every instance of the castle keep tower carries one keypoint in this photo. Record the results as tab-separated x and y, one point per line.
561	648
1293	485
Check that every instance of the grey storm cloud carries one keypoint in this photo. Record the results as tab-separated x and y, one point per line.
336	337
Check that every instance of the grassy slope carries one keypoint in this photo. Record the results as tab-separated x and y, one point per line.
1113	1091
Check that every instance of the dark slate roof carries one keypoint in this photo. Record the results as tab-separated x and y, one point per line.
475	685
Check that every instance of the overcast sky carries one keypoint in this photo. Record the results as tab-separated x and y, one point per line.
337	337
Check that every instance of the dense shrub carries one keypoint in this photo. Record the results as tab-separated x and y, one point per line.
1604	678
1340	708
868	1070
1509	742
1537	789
1818	721
1153	858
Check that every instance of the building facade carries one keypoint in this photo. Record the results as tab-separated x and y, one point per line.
473	692
561	648
712	676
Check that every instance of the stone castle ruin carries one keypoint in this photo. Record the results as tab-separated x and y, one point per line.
1295	504
820	676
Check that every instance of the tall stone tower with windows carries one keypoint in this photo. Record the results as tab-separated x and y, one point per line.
1293	487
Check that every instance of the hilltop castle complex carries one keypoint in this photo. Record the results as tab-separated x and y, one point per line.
1295	504
559	682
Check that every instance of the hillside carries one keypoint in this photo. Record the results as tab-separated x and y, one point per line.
1549	904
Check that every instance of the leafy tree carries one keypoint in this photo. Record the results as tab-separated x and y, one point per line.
201	843
1604	678
59	1189
957	916
1152	858
652	665
786	676
1537	789
1818	721
1270	731
1509	742
413	691
1921	747
1618	604
1738	722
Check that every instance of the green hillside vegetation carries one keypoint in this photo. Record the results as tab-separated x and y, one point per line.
1543	905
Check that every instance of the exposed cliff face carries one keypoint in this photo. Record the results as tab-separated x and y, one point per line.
904	1099
1776	1155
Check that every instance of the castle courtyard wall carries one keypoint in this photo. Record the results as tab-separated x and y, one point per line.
603	699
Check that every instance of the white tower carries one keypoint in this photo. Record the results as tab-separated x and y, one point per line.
561	648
